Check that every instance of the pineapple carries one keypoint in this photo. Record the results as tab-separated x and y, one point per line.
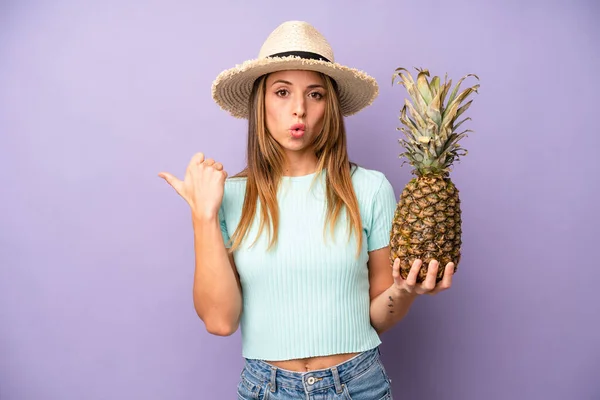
427	219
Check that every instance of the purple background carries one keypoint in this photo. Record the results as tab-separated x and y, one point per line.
96	257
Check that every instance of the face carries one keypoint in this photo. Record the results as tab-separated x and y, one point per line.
295	108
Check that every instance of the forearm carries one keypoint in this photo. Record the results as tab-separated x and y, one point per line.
389	308
217	296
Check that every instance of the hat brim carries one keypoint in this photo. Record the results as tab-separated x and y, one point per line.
232	88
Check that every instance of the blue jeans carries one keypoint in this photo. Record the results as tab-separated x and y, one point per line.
362	377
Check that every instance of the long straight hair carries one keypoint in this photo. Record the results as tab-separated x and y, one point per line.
265	163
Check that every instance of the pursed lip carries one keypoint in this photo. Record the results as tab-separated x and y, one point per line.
297	127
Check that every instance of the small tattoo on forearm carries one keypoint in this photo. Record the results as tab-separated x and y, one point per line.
391	305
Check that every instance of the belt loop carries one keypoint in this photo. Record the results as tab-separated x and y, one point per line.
336	380
273	382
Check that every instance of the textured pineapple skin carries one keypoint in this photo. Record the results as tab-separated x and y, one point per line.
427	225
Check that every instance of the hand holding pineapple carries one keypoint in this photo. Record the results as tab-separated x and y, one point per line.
427	221
429	285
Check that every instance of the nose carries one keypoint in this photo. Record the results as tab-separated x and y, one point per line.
299	107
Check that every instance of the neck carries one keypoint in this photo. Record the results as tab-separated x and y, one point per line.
300	164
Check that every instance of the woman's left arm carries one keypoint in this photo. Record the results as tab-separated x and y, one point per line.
392	296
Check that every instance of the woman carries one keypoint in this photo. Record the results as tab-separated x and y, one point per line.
294	249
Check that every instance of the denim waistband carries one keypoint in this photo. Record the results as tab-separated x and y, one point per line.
316	379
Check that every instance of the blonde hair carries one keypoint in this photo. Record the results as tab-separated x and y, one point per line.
265	159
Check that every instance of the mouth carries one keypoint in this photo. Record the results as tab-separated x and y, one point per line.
297	130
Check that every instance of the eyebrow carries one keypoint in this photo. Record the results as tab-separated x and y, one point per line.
314	85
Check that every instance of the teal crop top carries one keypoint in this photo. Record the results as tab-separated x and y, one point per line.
309	295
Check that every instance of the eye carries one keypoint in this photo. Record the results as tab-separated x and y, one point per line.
316	95
281	92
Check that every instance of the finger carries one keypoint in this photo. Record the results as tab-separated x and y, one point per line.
171	180
411	279
197	159
446	281
396	271
432	270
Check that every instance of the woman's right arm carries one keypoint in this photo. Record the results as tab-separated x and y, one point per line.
217	292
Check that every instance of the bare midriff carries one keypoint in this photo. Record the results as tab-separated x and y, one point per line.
312	363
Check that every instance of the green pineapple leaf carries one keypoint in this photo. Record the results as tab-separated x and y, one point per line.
453	95
423	85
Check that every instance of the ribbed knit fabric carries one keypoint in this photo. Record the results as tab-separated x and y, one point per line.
308	295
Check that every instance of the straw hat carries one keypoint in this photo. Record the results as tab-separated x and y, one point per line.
293	45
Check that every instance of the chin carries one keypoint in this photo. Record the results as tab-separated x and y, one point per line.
292	147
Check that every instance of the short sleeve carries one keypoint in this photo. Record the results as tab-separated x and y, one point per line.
382	215
223	224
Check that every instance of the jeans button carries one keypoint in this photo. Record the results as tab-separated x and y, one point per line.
311	380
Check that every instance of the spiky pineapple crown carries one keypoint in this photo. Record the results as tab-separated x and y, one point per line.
431	142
